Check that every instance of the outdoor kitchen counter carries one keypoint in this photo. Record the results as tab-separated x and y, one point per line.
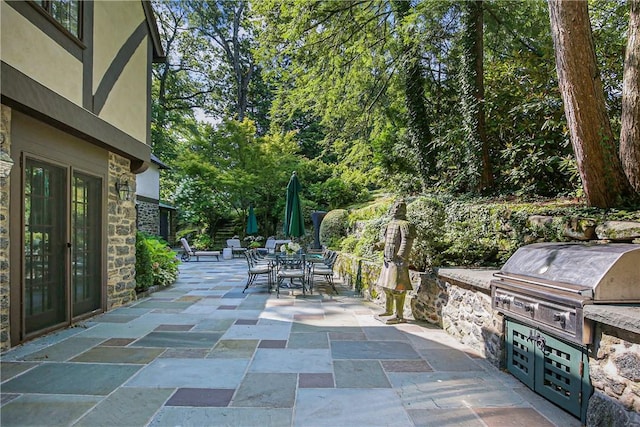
625	317
476	277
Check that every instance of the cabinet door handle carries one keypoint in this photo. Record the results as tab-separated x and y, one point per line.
538	339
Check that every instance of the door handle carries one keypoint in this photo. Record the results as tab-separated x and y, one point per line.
538	339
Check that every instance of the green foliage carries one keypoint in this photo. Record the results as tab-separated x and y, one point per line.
156	263
329	99
334	227
378	208
474	232
164	262
427	214
367	243
144	265
334	192
202	242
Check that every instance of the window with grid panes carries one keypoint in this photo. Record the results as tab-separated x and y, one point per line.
66	13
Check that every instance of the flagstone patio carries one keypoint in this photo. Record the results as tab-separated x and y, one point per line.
202	353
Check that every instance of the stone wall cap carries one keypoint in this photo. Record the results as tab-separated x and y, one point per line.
625	317
478	277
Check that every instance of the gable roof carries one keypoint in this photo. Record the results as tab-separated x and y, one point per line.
158	162
158	51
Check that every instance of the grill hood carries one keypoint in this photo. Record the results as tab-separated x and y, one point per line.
605	273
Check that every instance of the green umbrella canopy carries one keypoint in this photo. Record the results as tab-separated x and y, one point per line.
252	222
293	219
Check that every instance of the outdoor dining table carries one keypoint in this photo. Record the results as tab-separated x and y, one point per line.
308	258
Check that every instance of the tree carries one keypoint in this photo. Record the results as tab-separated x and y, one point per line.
630	121
603	179
478	165
418	118
225	25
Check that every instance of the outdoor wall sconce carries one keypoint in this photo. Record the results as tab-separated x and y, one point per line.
123	189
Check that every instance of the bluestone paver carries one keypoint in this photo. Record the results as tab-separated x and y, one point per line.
201	353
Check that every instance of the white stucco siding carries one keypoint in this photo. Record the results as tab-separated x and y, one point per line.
36	53
148	183
126	105
114	22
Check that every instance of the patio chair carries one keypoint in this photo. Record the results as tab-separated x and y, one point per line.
188	252
324	269
255	269
236	247
291	268
269	247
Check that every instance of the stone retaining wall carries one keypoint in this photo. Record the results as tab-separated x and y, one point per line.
614	368
459	301
467	315
461	309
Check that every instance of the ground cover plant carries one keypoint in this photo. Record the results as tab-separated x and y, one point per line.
471	232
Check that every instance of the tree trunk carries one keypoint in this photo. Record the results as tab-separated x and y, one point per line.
418	118
603	179
472	97
630	126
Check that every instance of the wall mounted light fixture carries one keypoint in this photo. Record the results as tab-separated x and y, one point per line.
123	189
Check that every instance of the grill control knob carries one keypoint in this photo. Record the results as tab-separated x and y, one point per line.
561	317
504	300
530	307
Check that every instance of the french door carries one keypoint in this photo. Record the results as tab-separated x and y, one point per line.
62	245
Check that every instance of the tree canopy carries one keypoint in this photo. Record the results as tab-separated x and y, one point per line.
363	95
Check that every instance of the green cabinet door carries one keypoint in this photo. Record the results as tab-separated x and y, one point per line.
552	368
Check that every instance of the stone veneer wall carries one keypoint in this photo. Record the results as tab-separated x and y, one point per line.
459	301
121	246
148	217
615	375
5	167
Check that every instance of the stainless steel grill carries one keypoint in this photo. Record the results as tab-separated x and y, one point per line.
546	285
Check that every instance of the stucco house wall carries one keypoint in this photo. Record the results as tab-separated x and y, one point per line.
76	107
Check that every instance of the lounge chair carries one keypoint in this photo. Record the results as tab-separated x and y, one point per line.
236	247
188	252
269	247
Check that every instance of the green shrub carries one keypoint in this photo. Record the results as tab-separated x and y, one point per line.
156	263
369	242
427	215
144	266
334	227
202	242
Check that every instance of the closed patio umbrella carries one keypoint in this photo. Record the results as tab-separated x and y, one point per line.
252	222
293	219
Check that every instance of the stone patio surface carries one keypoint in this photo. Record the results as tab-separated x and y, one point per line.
202	353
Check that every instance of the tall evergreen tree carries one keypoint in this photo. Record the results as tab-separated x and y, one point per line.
604	182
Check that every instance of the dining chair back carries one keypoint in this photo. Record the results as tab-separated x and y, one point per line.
324	269
255	269
291	267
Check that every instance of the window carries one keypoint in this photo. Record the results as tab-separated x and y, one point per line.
66	13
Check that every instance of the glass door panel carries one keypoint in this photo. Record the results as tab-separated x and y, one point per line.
86	243
45	245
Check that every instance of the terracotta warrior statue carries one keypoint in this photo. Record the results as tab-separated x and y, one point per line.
394	277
